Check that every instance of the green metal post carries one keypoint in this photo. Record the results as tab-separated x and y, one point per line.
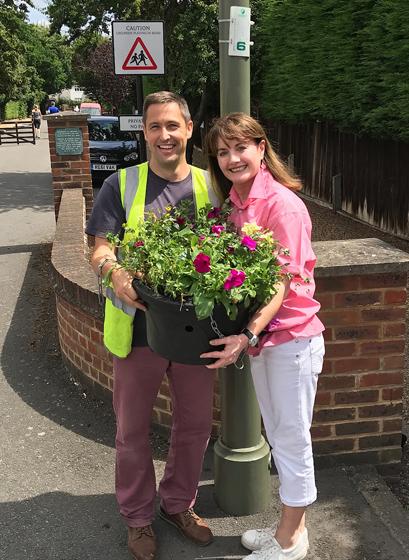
241	455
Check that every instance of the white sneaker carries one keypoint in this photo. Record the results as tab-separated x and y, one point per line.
256	539
275	552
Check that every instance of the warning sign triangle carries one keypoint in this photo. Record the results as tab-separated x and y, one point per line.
139	58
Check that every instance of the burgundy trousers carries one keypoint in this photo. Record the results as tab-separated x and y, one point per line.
137	379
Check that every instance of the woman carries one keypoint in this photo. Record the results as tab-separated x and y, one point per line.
284	337
36	116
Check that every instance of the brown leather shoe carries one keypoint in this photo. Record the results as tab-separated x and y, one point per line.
190	525
142	542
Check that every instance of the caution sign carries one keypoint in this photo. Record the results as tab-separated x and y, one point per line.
139	57
138	47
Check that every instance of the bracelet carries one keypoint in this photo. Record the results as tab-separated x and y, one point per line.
100	279
106	280
103	263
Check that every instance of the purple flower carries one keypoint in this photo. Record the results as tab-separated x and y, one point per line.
202	263
181	221
217	230
249	242
230	249
214	212
138	244
235	279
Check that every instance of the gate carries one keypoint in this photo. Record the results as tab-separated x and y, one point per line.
17	132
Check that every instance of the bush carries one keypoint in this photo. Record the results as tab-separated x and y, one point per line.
15	110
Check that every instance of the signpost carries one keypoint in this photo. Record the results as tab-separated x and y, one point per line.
139	50
241	455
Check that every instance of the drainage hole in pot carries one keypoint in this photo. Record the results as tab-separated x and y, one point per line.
189	328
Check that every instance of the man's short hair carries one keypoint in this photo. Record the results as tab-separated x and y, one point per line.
161	97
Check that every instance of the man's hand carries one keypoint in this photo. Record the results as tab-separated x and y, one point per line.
122	285
234	345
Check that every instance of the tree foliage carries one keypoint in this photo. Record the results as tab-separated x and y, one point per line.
94	70
345	61
32	62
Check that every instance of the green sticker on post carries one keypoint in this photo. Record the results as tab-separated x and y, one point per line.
68	141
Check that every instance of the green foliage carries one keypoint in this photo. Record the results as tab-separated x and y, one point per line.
202	259
345	61
15	110
93	69
32	63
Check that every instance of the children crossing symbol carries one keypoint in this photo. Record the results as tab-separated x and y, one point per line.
139	57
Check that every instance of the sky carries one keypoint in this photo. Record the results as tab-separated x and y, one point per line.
35	15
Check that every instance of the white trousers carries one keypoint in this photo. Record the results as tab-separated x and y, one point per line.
285	379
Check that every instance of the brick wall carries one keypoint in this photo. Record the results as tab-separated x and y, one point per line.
71	171
358	412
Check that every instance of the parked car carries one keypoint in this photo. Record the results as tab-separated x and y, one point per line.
110	148
91	108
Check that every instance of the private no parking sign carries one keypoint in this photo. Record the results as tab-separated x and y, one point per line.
138	47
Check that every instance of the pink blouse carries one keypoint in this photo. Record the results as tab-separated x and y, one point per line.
276	207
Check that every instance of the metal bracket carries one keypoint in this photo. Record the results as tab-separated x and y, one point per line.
223	20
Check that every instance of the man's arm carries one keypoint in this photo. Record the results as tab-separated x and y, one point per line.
121	279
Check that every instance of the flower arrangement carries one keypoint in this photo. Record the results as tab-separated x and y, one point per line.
202	259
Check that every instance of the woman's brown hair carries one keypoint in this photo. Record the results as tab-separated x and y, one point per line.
244	127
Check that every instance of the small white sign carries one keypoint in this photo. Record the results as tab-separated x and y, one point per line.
239	32
131	123
138	47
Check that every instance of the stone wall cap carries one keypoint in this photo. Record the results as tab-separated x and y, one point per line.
67	115
358	256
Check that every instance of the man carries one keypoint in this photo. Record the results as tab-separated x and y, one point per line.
52	108
138	372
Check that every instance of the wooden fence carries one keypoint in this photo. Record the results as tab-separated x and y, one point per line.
372	175
17	132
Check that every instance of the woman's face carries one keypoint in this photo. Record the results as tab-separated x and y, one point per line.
239	160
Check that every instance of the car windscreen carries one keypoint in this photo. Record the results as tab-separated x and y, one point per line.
100	131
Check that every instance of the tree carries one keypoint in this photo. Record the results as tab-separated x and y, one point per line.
94	70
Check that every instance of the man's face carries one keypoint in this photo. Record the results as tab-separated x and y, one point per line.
166	133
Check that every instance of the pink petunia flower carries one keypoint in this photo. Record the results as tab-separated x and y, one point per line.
202	263
214	212
249	242
138	244
235	279
217	230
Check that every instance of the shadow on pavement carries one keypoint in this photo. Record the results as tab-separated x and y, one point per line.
32	364
25	190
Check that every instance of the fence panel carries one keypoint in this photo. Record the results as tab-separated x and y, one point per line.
375	173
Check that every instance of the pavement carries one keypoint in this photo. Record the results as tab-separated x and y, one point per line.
56	443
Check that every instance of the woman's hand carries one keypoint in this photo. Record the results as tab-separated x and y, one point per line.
122	284
234	345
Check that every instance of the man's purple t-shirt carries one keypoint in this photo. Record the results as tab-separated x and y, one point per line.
108	216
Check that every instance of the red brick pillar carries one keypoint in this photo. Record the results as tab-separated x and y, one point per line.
71	170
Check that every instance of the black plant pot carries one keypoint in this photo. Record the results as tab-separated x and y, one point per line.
174	332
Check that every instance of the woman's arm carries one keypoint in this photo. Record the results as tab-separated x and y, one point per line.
236	343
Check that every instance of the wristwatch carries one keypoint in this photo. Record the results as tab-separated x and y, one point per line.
253	338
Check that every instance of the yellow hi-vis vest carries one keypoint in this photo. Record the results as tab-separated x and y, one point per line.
119	317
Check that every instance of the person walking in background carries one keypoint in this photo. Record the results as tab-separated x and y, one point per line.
164	181
284	337
36	118
53	108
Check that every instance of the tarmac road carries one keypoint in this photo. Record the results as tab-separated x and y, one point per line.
56	445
